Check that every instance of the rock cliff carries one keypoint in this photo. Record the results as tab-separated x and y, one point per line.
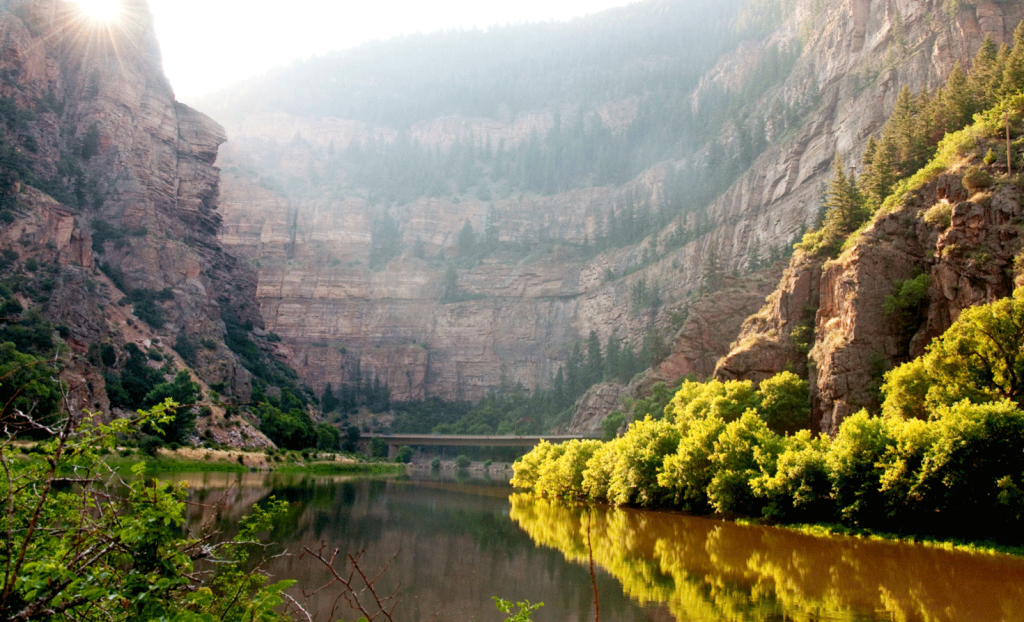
131	187
317	290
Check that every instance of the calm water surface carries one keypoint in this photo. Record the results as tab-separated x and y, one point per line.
457	544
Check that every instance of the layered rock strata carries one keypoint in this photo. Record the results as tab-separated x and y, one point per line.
336	315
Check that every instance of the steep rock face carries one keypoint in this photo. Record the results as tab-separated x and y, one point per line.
337	315
970	261
778	336
592	408
131	165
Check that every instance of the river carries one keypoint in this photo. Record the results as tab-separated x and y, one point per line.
446	547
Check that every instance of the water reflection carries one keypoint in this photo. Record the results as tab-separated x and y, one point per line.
455	542
706	570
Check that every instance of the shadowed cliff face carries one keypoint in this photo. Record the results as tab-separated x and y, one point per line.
313	247
125	162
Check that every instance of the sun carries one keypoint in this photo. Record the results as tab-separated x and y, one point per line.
100	10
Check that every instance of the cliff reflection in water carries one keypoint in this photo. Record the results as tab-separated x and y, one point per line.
703	569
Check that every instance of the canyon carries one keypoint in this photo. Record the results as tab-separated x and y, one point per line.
538	294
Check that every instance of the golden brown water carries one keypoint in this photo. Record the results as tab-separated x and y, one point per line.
460	543
712	570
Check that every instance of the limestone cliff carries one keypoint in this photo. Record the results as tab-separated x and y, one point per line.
336	313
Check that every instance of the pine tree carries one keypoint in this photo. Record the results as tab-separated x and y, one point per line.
466	239
985	78
612	357
958	103
844	202
1013	71
908	132
595	364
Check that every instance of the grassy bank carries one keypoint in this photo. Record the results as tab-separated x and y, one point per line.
827	530
196	460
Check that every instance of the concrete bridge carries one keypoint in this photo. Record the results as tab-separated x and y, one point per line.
395	441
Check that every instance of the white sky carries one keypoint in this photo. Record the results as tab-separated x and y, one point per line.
211	44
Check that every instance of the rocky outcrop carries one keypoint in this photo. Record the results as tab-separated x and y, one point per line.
966	246
594	406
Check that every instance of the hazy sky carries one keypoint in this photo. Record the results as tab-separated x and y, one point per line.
211	44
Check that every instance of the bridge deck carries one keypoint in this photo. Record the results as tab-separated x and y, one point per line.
471	440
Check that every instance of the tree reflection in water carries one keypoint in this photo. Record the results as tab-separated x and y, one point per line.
704	569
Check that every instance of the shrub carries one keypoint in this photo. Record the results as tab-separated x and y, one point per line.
976	178
742	450
462	461
435	463
939	215
785	403
642	452
404	454
800	487
150	444
854	463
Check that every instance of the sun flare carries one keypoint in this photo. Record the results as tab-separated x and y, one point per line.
100	10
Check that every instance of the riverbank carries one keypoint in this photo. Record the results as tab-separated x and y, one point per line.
200	460
830	530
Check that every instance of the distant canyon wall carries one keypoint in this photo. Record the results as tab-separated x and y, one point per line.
335	314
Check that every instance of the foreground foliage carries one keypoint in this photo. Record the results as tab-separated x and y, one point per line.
79	543
949	449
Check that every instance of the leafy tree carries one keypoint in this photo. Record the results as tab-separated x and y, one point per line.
137	379
744	449
688	472
785	403
404	454
642	450
378	447
854	464
183	392
526	470
911	440
28	391
977	454
725	400
979	358
799	488
328	438
95	552
598	474
292	429
611	424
